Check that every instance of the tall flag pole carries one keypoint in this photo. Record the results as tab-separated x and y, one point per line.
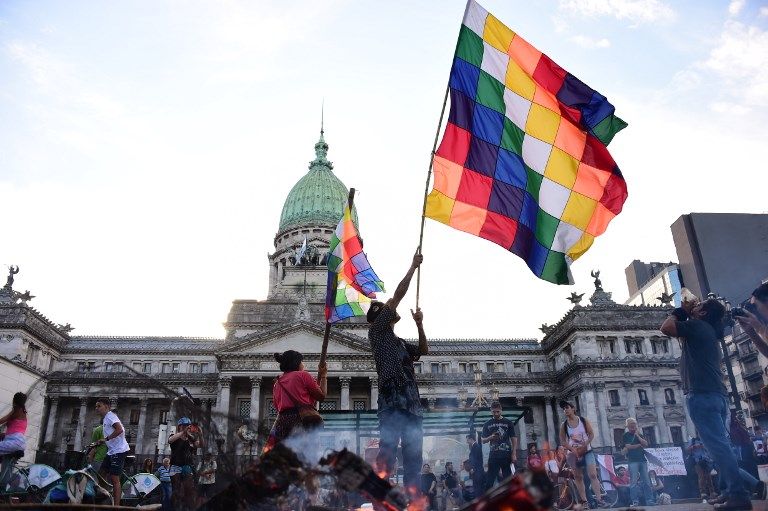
524	161
352	283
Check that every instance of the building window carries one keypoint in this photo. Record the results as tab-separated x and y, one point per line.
81	367
194	368
203	367
613	396
164	417
109	367
147	367
633	346
175	368
527	366
359	405
462	367
445	367
649	432
434	367
329	405
618	438
612	346
271	408
135	415
417	368
677	434
166	367
665	345
90	367
244	408
643	396
669	396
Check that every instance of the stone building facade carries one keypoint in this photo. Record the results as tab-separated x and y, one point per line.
609	359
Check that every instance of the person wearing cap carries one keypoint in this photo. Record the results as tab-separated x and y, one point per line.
183	444
400	412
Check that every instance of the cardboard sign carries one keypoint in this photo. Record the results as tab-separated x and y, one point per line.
666	461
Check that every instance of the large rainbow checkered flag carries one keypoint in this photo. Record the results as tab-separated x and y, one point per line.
523	159
352	283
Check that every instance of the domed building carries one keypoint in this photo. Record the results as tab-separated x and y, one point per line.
608	358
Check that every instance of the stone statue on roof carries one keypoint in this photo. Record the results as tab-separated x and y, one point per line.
12	270
575	298
598	283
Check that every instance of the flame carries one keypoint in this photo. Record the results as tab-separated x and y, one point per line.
382	474
418	504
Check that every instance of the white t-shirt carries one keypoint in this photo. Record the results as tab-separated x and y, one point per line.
552	467
118	444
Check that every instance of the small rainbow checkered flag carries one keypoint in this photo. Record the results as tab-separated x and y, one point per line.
352	283
523	160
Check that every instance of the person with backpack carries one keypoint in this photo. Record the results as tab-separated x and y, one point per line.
576	435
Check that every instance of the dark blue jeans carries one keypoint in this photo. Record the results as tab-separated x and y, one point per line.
709	413
166	487
398	426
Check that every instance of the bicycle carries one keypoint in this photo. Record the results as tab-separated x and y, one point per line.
25	482
567	495
136	488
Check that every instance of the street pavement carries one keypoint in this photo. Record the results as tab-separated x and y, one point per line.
757	505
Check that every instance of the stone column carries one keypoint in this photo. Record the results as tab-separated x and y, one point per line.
552	435
658	403
53	419
588	409
255	398
374	382
170	428
142	423
629	395
602	411
522	430
81	423
225	382
345	381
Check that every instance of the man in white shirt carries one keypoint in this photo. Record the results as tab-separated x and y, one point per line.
117	447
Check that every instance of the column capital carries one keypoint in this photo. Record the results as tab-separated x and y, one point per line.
255	381
84	401
628	384
54	400
600	386
345	381
143	401
225	381
655	385
373	380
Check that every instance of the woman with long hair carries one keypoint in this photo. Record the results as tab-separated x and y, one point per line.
15	426
295	393
148	466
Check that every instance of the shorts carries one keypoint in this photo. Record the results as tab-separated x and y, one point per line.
588	459
115	463
184	470
12	443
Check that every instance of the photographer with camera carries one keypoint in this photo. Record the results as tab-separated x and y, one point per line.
753	318
184	444
699	326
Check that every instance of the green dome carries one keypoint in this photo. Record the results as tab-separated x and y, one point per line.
318	198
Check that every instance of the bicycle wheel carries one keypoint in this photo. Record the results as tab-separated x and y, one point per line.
563	497
609	493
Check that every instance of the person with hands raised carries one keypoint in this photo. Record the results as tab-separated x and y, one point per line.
400	412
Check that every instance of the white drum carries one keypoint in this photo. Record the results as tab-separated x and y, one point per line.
143	482
42	476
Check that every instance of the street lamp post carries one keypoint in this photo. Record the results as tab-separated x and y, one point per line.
724	348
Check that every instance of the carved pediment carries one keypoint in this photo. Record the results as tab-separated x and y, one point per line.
302	336
674	413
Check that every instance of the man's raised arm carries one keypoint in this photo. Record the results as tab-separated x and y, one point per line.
402	288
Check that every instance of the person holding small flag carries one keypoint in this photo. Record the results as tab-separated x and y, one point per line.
400	411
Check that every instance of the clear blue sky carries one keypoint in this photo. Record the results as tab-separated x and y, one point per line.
146	147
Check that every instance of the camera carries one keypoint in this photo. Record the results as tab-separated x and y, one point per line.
740	311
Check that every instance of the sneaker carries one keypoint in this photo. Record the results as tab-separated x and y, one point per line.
761	491
634	504
734	505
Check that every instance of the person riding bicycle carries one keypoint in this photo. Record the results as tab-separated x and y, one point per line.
16	427
184	444
117	446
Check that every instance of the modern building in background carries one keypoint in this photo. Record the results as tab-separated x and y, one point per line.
649	282
608	358
722	253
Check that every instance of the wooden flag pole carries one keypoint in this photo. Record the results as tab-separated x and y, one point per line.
327	333
426	190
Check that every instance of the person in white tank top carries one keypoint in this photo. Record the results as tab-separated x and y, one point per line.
576	435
